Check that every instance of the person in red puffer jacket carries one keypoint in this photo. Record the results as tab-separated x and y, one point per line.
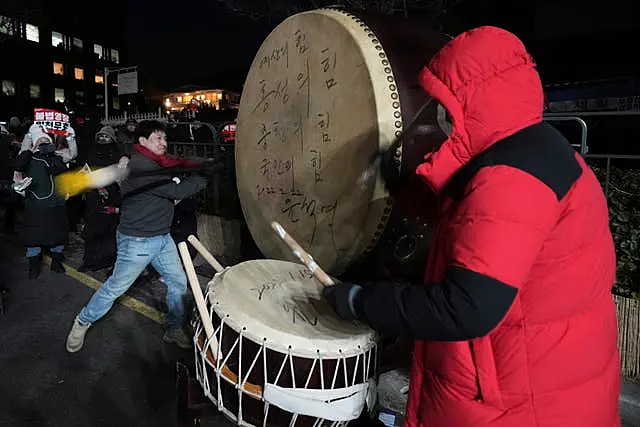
515	324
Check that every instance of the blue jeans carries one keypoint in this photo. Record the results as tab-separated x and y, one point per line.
134	255
35	251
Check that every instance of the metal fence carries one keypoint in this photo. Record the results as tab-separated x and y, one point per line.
199	140
203	140
621	160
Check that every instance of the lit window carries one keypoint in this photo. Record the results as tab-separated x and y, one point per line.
59	94
77	43
58	69
34	91
8	88
6	25
33	33
78	73
99	79
179	99
116	103
57	39
115	56
97	49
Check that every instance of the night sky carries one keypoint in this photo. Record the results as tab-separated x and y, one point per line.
201	42
192	41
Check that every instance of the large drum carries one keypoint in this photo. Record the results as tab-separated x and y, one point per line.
326	91
280	355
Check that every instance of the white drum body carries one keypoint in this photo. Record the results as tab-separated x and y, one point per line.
280	355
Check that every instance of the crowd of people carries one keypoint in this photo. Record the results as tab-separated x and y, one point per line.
29	160
115	218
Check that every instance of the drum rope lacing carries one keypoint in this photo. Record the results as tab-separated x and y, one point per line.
342	404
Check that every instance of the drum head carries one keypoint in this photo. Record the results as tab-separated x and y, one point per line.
319	101
280	303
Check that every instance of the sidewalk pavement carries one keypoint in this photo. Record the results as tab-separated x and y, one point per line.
630	403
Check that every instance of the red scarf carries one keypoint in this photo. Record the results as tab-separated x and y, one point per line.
164	160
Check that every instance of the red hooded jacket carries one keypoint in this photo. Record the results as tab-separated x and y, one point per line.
516	325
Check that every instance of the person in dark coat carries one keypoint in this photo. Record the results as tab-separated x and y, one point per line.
102	206
8	198
45	221
127	136
6	190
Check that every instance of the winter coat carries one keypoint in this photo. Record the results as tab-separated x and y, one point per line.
45	218
515	323
553	360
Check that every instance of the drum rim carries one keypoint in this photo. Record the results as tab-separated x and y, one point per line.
360	342
390	126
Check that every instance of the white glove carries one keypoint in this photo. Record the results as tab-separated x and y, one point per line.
124	162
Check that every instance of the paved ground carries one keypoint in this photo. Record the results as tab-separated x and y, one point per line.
630	404
125	375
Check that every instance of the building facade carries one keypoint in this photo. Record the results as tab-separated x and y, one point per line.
55	63
193	98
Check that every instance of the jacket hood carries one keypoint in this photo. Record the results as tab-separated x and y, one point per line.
107	131
37	133
488	84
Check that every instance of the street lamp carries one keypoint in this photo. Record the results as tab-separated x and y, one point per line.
107	71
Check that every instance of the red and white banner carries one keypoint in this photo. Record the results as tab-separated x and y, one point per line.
229	133
52	121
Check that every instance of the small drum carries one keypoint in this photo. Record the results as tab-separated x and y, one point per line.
326	91
280	355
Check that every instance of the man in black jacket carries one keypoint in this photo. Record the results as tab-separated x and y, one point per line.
144	238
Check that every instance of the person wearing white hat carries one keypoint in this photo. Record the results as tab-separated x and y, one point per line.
45	223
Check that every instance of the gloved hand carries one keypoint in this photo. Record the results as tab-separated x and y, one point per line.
345	299
386	163
124	161
211	168
111	210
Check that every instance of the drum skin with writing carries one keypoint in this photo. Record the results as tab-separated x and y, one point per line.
326	91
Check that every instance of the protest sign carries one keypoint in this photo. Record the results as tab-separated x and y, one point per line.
52	121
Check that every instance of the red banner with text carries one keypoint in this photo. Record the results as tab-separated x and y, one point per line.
52	121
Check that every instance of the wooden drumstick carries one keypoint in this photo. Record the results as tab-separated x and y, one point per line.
302	255
208	256
197	295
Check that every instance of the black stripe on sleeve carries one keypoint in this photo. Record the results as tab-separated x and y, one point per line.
463	306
